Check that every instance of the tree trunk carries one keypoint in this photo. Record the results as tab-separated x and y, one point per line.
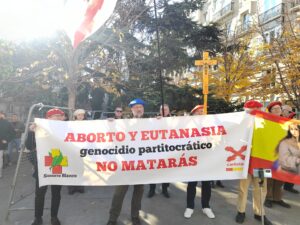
71	98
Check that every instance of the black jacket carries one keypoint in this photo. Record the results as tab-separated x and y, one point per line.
6	133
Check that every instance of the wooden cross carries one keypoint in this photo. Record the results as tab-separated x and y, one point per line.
205	62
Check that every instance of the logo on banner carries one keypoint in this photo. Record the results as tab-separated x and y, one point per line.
56	161
235	161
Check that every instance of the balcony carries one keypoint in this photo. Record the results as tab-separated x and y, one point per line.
243	28
226	10
271	14
295	6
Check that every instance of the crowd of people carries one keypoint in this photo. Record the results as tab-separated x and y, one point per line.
289	158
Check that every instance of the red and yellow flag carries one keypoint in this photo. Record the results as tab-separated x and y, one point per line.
269	131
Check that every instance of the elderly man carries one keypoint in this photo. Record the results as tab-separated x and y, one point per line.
137	109
244	185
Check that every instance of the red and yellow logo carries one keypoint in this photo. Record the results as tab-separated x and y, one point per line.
55	160
235	160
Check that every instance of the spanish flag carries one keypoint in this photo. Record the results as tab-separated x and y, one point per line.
270	131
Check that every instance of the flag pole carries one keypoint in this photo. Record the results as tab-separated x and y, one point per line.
159	60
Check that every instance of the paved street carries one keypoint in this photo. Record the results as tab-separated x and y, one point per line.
92	207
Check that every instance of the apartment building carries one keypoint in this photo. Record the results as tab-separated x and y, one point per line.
237	16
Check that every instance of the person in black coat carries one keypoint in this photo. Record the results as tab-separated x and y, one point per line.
40	192
164	186
6	135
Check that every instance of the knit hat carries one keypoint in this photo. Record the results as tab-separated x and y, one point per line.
196	108
252	104
272	104
54	111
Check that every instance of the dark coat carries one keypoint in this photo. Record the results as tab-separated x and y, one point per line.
6	133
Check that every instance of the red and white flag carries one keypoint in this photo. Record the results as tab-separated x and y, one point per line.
82	17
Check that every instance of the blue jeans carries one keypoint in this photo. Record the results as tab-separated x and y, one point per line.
15	143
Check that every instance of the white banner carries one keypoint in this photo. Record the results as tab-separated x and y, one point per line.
141	151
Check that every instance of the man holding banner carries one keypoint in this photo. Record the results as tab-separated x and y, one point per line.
165	186
137	109
40	192
205	189
244	184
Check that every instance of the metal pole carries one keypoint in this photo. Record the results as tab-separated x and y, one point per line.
159	59
261	183
23	138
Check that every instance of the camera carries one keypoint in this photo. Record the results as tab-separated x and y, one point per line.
262	173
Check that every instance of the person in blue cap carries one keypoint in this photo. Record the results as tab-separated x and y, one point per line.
137	109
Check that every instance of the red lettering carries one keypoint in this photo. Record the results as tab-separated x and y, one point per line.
192	160
91	137
100	137
161	164
184	133
163	133
112	166
153	134
151	162
205	131
132	135
172	162
101	166
140	165
70	137
127	165
221	130
81	138
213	131
110	136
173	134
120	136
144	135
195	133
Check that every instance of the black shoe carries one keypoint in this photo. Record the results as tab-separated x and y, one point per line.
55	221
240	217
219	184
37	221
268	203
111	223
266	220
292	190
136	221
166	193
151	193
282	203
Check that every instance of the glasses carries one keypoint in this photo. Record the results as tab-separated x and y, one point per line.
119	111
